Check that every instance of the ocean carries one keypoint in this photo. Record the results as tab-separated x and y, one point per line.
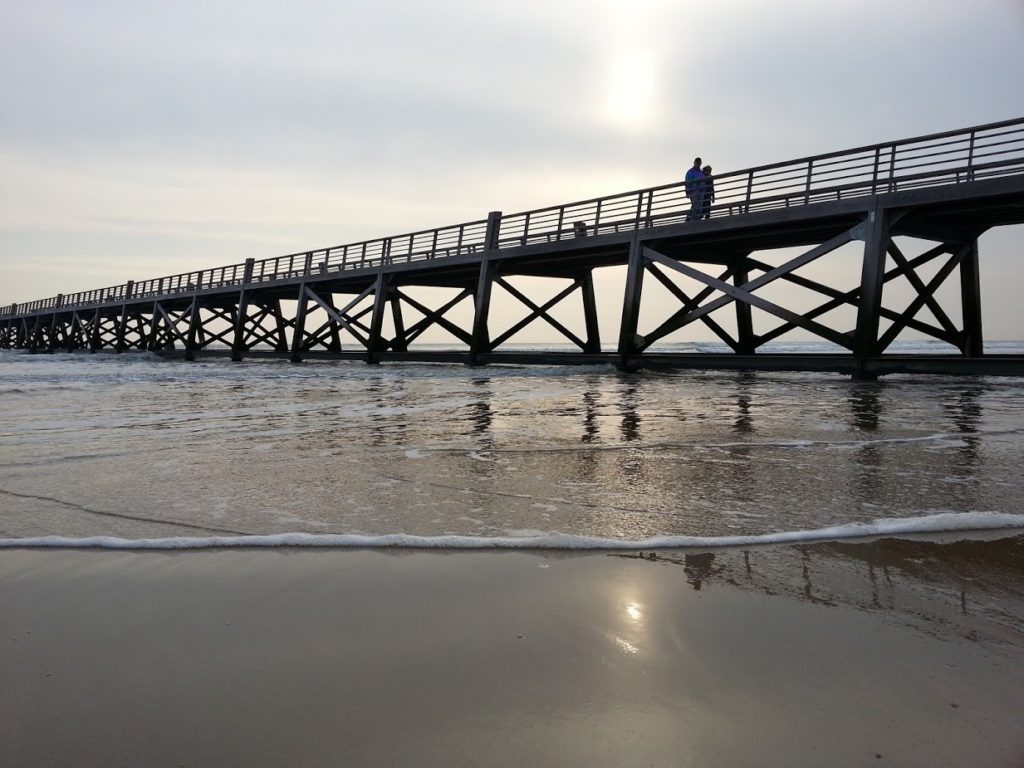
135	450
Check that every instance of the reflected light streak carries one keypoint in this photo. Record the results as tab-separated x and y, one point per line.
625	646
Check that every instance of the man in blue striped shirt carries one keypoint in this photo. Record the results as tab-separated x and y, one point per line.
694	187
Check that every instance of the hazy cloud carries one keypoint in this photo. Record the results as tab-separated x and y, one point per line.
149	137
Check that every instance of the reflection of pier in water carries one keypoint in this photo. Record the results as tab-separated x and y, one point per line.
881	461
972	588
631	459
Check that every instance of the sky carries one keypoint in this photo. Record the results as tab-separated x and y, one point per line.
141	139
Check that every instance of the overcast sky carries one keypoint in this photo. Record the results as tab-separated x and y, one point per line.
139	139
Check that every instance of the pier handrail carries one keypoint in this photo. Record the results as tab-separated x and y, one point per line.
971	154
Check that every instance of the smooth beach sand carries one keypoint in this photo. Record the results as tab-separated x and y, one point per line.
907	653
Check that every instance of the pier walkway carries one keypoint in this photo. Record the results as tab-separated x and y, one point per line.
940	192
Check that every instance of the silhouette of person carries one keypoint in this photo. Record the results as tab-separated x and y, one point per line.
698	568
694	187
708	196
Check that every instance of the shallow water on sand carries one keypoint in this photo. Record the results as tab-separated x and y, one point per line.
138	447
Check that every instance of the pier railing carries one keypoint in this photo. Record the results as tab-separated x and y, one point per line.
954	157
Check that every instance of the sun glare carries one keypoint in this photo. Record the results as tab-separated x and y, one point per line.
630	99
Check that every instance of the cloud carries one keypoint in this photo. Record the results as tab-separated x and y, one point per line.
201	131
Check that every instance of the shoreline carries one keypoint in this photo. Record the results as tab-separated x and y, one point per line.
955	525
890	651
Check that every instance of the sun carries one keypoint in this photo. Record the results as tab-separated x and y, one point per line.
630	90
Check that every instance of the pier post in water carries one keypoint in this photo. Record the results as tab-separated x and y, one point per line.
876	237
481	341
631	301
970	293
242	314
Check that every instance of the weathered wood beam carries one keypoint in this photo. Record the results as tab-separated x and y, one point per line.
735	293
436	317
538	312
939	278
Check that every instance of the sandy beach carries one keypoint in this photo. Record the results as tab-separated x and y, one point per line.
840	654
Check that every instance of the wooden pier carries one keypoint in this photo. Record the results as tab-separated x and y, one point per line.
940	191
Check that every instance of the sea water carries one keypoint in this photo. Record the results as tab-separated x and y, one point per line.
135	450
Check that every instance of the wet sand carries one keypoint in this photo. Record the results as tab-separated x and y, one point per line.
841	654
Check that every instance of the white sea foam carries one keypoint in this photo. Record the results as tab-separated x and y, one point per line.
943	522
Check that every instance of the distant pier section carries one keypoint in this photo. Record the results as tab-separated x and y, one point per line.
937	193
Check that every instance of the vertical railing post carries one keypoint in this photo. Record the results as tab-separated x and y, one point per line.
892	168
60	300
874	172
597	218
807	186
493	232
970	159
750	191
561	220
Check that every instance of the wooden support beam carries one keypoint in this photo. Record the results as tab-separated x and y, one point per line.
298	330
281	325
361	332
154	329
970	301
593	343
538	311
734	293
838	298
121	340
335	343
629	341
876	241
96	331
940	277
436	316
746	343
398	343
376	344
482	304
915	281
242	313
193	325
481	341
689	305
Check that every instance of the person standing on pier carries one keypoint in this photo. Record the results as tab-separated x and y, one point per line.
694	187
708	196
